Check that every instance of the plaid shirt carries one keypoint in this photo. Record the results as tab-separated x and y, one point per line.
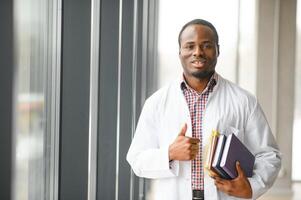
197	104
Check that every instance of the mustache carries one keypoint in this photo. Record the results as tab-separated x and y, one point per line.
198	60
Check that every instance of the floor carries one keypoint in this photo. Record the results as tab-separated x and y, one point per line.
296	195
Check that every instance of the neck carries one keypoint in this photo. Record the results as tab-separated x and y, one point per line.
197	84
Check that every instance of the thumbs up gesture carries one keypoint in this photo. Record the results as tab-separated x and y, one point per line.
184	147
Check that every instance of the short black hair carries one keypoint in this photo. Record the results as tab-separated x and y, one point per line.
199	22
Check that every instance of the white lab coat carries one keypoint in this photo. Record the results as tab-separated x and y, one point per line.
229	109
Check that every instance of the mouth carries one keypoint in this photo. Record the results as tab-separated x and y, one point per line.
199	63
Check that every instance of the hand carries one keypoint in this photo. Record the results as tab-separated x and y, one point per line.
184	148
238	187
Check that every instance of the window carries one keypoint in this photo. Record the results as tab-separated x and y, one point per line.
296	173
235	24
171	22
33	58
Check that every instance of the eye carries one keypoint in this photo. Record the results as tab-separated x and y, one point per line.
189	46
207	46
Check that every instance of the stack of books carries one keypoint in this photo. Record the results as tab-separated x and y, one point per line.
222	154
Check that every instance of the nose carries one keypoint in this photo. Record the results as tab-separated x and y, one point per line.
198	51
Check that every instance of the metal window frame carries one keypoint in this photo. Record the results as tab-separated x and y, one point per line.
53	99
94	81
74	100
7	100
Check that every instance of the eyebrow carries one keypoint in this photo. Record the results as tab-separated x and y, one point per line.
192	42
189	42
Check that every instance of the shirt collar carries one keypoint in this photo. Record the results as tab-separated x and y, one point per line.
209	88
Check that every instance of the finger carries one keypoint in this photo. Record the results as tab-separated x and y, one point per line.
240	172
194	140
223	187
194	147
219	185
220	180
213	175
194	155
183	130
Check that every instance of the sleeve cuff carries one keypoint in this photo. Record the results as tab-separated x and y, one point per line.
257	188
173	165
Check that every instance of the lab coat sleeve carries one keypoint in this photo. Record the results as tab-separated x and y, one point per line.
147	158
260	140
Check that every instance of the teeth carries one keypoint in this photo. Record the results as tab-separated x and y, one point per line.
199	61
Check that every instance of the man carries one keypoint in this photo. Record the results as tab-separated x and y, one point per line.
176	122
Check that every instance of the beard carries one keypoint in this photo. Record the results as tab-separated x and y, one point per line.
203	74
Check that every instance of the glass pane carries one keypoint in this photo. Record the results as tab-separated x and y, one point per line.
171	19
247	62
30	40
296	173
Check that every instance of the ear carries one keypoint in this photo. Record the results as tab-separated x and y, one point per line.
217	49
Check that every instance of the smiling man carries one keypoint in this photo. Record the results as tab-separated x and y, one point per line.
198	54
176	122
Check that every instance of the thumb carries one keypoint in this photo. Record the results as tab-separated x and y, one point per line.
183	130
240	172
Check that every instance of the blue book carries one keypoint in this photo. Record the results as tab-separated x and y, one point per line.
218	157
235	150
